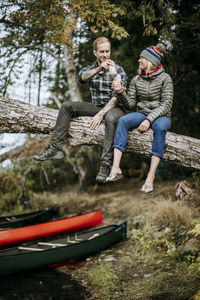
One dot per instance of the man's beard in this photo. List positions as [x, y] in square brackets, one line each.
[100, 60]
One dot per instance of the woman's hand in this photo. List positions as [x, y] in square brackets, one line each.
[144, 126]
[120, 89]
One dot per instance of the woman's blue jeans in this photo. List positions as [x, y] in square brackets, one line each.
[133, 120]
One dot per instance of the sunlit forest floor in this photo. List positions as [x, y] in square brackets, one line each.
[148, 265]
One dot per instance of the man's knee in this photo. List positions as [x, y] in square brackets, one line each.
[68, 107]
[64, 106]
[111, 119]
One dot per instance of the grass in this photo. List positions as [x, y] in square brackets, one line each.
[147, 266]
[173, 214]
[103, 280]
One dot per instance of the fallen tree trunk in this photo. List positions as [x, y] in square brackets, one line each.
[17, 116]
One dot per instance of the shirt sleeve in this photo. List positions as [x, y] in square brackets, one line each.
[128, 99]
[82, 71]
[123, 77]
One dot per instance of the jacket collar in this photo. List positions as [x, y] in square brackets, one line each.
[157, 71]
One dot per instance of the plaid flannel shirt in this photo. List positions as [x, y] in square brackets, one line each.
[100, 84]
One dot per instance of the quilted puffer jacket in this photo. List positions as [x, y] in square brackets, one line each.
[152, 95]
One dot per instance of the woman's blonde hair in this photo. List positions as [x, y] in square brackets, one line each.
[150, 68]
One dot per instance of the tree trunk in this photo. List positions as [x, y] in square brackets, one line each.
[17, 116]
[70, 68]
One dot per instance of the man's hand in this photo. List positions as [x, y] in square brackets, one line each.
[95, 122]
[105, 64]
[144, 126]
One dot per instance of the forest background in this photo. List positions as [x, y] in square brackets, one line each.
[57, 37]
[43, 45]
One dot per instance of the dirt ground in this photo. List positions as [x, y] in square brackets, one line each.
[148, 264]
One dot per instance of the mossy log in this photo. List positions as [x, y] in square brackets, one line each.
[19, 117]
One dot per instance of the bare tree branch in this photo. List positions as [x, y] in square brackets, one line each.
[181, 77]
[39, 47]
[11, 69]
[56, 100]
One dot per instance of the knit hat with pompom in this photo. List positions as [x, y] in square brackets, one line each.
[154, 54]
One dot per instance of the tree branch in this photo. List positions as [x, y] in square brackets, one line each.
[181, 77]
[39, 47]
[17, 116]
[11, 69]
[58, 103]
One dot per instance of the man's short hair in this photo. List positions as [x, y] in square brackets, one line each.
[100, 40]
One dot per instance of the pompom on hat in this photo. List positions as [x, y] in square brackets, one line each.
[154, 54]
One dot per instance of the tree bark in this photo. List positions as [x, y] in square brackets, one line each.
[70, 69]
[17, 116]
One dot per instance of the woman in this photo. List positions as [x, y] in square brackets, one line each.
[152, 93]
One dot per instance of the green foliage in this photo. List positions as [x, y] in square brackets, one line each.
[46, 20]
[34, 26]
[51, 175]
[18, 182]
[82, 158]
[101, 15]
[148, 242]
[46, 25]
[157, 17]
[12, 192]
[176, 24]
[196, 229]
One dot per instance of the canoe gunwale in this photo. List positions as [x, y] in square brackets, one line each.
[33, 232]
[116, 227]
[22, 219]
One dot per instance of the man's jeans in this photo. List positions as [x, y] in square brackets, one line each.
[71, 110]
[133, 120]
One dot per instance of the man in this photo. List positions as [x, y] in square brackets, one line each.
[104, 105]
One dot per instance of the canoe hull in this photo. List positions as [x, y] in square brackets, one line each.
[25, 261]
[30, 233]
[26, 219]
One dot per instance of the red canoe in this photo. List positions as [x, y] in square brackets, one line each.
[29, 233]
